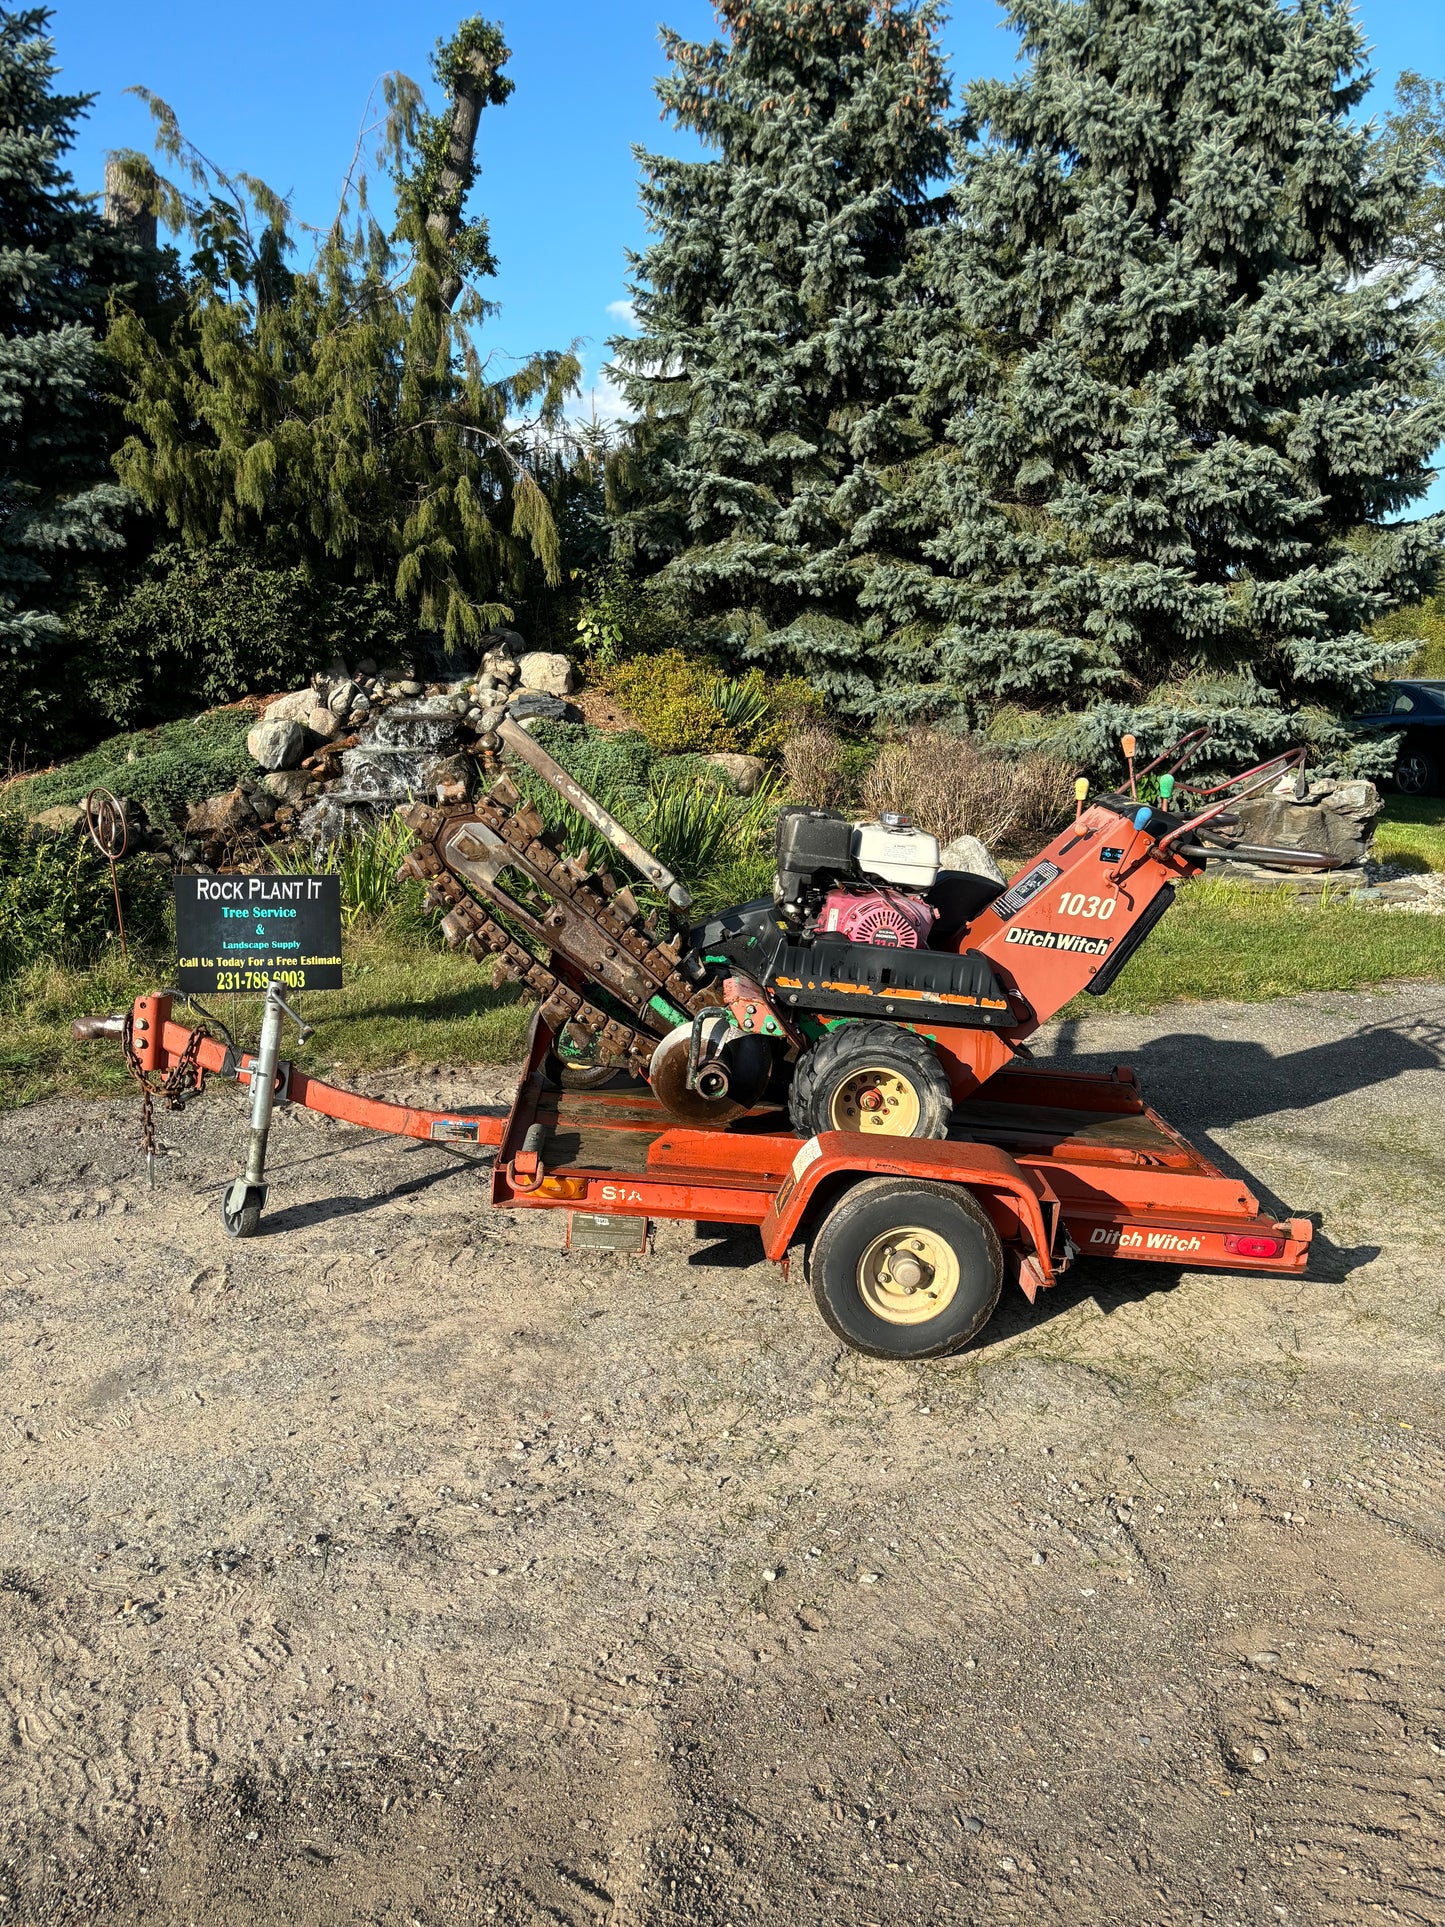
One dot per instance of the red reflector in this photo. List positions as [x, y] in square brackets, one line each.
[1253, 1247]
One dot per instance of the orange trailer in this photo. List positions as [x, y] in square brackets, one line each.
[906, 1242]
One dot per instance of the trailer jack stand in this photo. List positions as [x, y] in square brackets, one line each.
[243, 1202]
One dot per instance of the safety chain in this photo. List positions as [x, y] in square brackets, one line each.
[185, 1079]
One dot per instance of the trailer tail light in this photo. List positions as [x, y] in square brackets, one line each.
[1249, 1246]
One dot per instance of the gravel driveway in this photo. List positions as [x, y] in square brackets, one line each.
[397, 1567]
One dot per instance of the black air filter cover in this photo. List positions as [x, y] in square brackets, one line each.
[810, 841]
[913, 986]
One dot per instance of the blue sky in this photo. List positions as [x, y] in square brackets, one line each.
[279, 90]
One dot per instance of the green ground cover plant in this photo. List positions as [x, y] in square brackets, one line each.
[162, 769]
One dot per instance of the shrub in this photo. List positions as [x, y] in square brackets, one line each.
[193, 628]
[618, 617]
[1421, 623]
[162, 769]
[684, 703]
[954, 788]
[814, 767]
[56, 901]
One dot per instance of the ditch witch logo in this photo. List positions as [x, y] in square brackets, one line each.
[1059, 940]
[1133, 1239]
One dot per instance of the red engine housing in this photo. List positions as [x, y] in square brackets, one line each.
[889, 918]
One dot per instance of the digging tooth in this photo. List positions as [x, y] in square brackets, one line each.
[625, 904]
[559, 1007]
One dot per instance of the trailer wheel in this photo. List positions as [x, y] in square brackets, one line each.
[879, 1079]
[904, 1269]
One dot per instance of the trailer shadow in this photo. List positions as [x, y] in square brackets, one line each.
[1111, 1284]
[303, 1217]
[1202, 1083]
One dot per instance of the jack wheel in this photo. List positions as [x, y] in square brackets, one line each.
[243, 1223]
[877, 1079]
[906, 1270]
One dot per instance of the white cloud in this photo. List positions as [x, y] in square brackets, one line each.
[624, 312]
[600, 398]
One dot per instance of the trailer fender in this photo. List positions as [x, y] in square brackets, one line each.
[1023, 1210]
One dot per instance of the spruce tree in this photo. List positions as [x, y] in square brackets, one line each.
[1178, 413]
[767, 377]
[58, 499]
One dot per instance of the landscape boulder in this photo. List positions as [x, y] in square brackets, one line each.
[550, 674]
[219, 817]
[450, 779]
[277, 745]
[535, 705]
[59, 817]
[1335, 818]
[967, 853]
[294, 707]
[745, 773]
[323, 723]
[286, 785]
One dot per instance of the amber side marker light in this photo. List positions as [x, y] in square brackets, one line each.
[560, 1188]
[1251, 1247]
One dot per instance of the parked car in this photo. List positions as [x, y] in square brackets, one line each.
[1417, 709]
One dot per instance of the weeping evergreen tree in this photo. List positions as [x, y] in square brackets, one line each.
[58, 499]
[341, 418]
[1178, 410]
[767, 376]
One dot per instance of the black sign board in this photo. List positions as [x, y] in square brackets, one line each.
[241, 932]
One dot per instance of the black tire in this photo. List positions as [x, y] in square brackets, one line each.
[563, 1076]
[820, 1099]
[244, 1223]
[874, 1224]
[1417, 772]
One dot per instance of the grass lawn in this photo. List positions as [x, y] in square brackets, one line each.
[1411, 833]
[1227, 940]
[406, 1003]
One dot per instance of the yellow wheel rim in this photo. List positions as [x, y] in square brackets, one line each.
[876, 1100]
[908, 1276]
